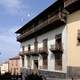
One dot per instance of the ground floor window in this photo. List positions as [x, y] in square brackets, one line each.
[22, 61]
[45, 62]
[29, 62]
[58, 61]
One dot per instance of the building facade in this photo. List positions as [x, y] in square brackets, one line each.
[51, 41]
[4, 68]
[14, 65]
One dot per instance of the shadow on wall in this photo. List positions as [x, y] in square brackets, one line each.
[74, 17]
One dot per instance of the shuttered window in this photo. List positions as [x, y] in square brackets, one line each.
[78, 38]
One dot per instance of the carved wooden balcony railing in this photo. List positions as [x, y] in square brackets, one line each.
[56, 49]
[25, 34]
[71, 5]
[68, 2]
[22, 53]
[43, 51]
[33, 52]
[58, 17]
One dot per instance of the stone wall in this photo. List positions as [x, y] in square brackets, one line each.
[73, 72]
[50, 74]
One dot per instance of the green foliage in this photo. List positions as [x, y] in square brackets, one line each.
[5, 76]
[8, 76]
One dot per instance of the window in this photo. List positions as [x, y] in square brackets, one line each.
[78, 38]
[11, 71]
[12, 63]
[58, 42]
[58, 54]
[29, 47]
[35, 64]
[58, 61]
[22, 61]
[35, 44]
[45, 62]
[29, 62]
[45, 44]
[16, 62]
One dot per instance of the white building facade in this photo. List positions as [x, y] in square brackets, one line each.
[50, 37]
[4, 68]
[49, 41]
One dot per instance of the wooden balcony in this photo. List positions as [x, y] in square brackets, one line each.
[68, 2]
[71, 5]
[33, 52]
[21, 54]
[56, 20]
[22, 36]
[24, 53]
[56, 49]
[43, 51]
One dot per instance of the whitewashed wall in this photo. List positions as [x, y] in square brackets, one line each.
[51, 40]
[4, 68]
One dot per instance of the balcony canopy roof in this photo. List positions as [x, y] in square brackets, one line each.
[53, 7]
[69, 5]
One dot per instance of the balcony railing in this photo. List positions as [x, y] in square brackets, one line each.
[56, 49]
[56, 17]
[25, 34]
[33, 52]
[43, 51]
[22, 53]
[68, 2]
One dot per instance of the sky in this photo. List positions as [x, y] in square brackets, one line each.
[13, 15]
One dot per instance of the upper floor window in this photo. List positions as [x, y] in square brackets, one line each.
[29, 47]
[35, 44]
[58, 56]
[45, 43]
[16, 62]
[58, 41]
[78, 38]
[58, 61]
[22, 61]
[45, 62]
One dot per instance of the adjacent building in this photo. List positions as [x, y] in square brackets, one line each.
[14, 65]
[50, 42]
[4, 67]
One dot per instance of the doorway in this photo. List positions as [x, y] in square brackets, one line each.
[36, 64]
